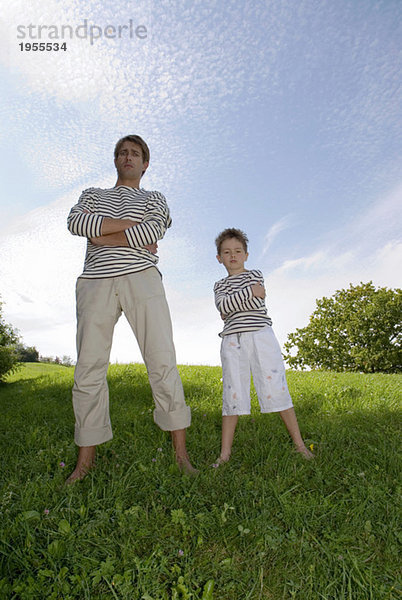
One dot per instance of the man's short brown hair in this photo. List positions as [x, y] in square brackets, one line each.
[136, 139]
[231, 232]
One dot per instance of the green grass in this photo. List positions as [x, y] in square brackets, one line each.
[269, 525]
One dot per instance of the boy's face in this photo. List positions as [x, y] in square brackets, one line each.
[233, 256]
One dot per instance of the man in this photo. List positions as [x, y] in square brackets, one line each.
[123, 225]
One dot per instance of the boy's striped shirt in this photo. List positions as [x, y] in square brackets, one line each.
[148, 208]
[241, 310]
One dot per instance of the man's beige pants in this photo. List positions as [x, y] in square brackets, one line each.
[100, 303]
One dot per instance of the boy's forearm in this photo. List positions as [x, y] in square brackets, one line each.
[229, 303]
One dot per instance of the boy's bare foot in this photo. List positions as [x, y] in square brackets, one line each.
[185, 466]
[305, 452]
[85, 462]
[220, 461]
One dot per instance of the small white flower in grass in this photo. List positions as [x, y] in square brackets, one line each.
[215, 466]
[181, 553]
[159, 449]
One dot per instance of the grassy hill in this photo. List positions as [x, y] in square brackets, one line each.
[269, 525]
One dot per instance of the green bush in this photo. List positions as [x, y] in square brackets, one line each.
[27, 353]
[8, 355]
[358, 329]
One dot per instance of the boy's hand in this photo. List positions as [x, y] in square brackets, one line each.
[258, 290]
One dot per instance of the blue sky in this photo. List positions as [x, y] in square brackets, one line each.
[278, 117]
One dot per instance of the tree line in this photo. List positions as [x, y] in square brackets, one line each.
[356, 329]
[13, 352]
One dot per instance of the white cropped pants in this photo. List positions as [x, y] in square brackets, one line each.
[257, 352]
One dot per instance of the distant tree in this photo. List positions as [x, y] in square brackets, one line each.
[8, 340]
[27, 353]
[357, 329]
[46, 359]
[67, 361]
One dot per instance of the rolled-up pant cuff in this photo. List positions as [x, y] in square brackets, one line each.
[92, 436]
[171, 421]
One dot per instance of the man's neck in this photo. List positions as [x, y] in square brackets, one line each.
[133, 183]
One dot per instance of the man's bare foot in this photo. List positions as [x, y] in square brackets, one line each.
[185, 466]
[182, 459]
[222, 460]
[305, 452]
[85, 462]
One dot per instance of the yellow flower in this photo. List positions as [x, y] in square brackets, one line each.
[311, 447]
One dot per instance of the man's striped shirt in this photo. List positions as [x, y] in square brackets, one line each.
[149, 209]
[241, 310]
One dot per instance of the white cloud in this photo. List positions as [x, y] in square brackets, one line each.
[273, 232]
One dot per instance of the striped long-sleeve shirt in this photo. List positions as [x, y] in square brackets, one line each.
[241, 311]
[149, 209]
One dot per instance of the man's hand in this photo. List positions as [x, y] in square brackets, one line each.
[258, 290]
[153, 248]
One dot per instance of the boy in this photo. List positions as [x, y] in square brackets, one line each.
[248, 342]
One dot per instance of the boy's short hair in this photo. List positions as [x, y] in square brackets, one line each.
[231, 232]
[136, 139]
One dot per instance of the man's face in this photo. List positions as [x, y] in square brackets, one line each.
[129, 162]
[233, 256]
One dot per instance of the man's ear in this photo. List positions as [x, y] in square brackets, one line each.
[146, 165]
[246, 257]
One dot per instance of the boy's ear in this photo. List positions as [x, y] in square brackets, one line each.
[219, 258]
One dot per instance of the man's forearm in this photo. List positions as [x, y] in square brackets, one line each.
[119, 239]
[111, 226]
[112, 239]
